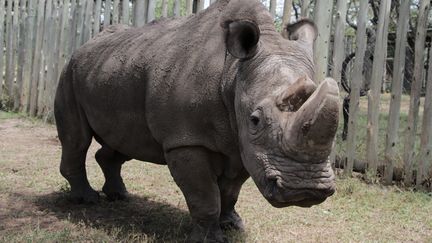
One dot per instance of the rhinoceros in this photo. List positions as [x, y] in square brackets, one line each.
[219, 97]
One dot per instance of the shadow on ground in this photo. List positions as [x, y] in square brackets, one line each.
[137, 215]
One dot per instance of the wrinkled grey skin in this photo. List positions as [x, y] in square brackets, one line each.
[218, 97]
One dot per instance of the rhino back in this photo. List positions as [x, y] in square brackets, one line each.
[156, 86]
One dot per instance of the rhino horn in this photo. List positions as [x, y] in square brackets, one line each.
[296, 95]
[316, 121]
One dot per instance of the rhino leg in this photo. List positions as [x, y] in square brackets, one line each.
[192, 171]
[229, 191]
[111, 162]
[75, 136]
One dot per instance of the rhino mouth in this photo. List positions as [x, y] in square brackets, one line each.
[288, 182]
[296, 197]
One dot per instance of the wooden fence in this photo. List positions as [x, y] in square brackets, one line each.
[37, 37]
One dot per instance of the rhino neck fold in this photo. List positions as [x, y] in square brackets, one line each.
[227, 90]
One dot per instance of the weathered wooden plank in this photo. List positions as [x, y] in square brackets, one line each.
[139, 13]
[72, 28]
[424, 158]
[9, 50]
[15, 42]
[396, 90]
[107, 13]
[88, 21]
[305, 8]
[125, 12]
[272, 8]
[81, 8]
[164, 10]
[115, 11]
[46, 47]
[96, 15]
[2, 34]
[323, 20]
[410, 133]
[339, 37]
[21, 55]
[189, 7]
[355, 86]
[53, 64]
[176, 8]
[200, 5]
[379, 62]
[64, 23]
[151, 10]
[30, 27]
[286, 16]
[37, 59]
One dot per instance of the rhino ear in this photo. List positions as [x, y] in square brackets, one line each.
[241, 38]
[304, 30]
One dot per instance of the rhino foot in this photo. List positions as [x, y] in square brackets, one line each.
[231, 221]
[88, 196]
[209, 235]
[115, 192]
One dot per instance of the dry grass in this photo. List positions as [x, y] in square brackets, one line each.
[34, 208]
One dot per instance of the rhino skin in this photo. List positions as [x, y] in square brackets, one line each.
[218, 96]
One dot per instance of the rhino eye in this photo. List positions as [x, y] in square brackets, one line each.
[255, 118]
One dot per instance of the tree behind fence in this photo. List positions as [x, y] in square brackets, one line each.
[37, 38]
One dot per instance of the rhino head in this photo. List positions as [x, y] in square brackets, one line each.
[286, 122]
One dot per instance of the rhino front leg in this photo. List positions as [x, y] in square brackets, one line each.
[230, 190]
[111, 162]
[191, 170]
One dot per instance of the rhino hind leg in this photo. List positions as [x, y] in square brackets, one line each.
[111, 162]
[75, 136]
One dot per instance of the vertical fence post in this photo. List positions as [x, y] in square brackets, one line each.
[411, 129]
[81, 8]
[36, 59]
[396, 90]
[200, 5]
[2, 34]
[9, 49]
[107, 13]
[165, 8]
[125, 12]
[323, 20]
[305, 8]
[88, 21]
[355, 87]
[339, 37]
[115, 12]
[286, 16]
[63, 33]
[15, 47]
[97, 14]
[189, 7]
[379, 65]
[139, 13]
[30, 26]
[177, 8]
[272, 9]
[46, 47]
[424, 158]
[21, 56]
[151, 10]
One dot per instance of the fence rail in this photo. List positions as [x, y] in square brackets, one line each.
[37, 38]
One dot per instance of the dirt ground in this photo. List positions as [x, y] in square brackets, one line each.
[34, 205]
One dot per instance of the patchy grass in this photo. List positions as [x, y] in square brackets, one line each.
[34, 207]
